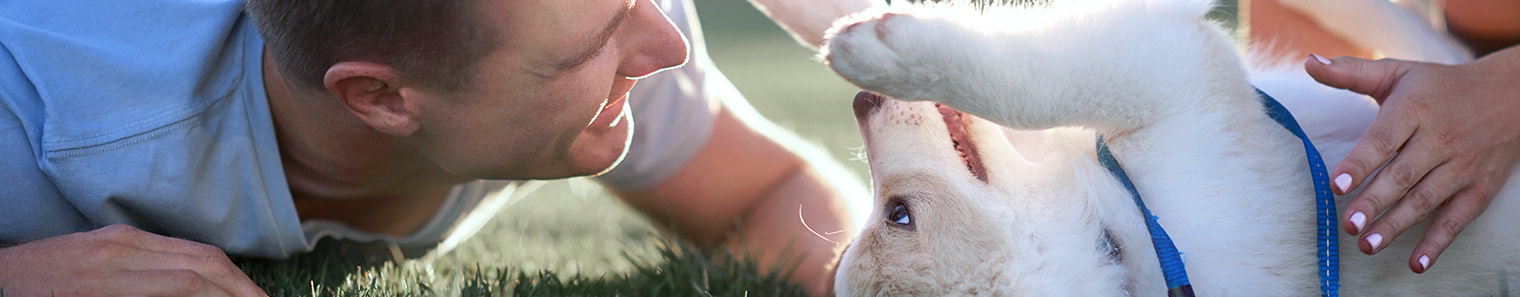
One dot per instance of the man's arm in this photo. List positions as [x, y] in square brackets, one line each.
[806, 20]
[751, 184]
[1486, 26]
[1292, 34]
[744, 189]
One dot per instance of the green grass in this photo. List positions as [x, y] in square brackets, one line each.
[678, 270]
[550, 244]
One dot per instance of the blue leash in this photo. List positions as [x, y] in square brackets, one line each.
[1171, 260]
[1327, 249]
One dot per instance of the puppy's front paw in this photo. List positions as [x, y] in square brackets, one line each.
[895, 54]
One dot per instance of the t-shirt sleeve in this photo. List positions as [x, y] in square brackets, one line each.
[145, 113]
[28, 193]
[673, 111]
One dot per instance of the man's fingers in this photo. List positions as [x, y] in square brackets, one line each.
[216, 269]
[1444, 227]
[153, 252]
[153, 242]
[1372, 78]
[1428, 193]
[163, 283]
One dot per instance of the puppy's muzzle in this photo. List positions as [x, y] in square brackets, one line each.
[866, 103]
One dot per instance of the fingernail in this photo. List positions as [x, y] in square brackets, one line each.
[1343, 182]
[1424, 262]
[1374, 240]
[1357, 219]
[1321, 60]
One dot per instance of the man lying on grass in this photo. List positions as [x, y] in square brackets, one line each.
[259, 130]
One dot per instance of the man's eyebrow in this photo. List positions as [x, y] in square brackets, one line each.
[589, 52]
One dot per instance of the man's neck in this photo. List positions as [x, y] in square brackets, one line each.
[329, 154]
[340, 169]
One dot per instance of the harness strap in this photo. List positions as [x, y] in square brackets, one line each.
[1171, 260]
[1327, 249]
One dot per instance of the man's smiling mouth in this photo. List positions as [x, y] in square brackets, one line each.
[610, 114]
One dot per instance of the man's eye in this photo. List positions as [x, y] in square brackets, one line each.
[900, 215]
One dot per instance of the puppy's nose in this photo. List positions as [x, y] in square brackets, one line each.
[865, 103]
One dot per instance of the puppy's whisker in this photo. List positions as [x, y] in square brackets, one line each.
[810, 228]
[858, 154]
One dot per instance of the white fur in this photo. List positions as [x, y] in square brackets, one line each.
[1175, 102]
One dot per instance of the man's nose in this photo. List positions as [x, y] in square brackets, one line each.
[658, 46]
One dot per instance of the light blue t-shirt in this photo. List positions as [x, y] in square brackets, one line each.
[152, 113]
[144, 112]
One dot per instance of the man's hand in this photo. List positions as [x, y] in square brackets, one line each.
[120, 260]
[1449, 137]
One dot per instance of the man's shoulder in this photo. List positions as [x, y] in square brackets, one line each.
[150, 113]
[99, 72]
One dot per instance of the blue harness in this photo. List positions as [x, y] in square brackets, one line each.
[1171, 260]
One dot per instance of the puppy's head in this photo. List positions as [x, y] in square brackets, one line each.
[959, 212]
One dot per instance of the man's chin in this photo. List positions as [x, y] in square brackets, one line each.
[572, 164]
[595, 152]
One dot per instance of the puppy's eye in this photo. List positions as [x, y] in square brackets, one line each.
[900, 215]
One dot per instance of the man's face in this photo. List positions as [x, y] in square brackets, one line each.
[551, 101]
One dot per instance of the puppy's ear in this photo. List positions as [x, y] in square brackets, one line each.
[372, 92]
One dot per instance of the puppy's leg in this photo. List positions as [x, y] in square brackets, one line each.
[1114, 66]
[1163, 84]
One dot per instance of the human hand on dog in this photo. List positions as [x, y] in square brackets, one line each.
[120, 261]
[1449, 137]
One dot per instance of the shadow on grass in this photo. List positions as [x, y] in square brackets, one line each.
[680, 270]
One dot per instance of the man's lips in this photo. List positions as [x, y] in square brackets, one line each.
[610, 113]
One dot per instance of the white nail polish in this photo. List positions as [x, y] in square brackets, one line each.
[1321, 60]
[1374, 240]
[1424, 262]
[1343, 182]
[1357, 219]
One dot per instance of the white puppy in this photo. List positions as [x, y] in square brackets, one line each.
[963, 208]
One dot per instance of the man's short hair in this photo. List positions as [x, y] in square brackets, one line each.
[434, 42]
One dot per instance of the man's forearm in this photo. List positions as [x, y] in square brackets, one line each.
[744, 188]
[781, 227]
[806, 216]
[807, 19]
[1485, 26]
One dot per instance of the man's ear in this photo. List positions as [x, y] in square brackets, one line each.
[372, 92]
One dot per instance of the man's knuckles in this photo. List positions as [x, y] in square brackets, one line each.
[119, 232]
[181, 281]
